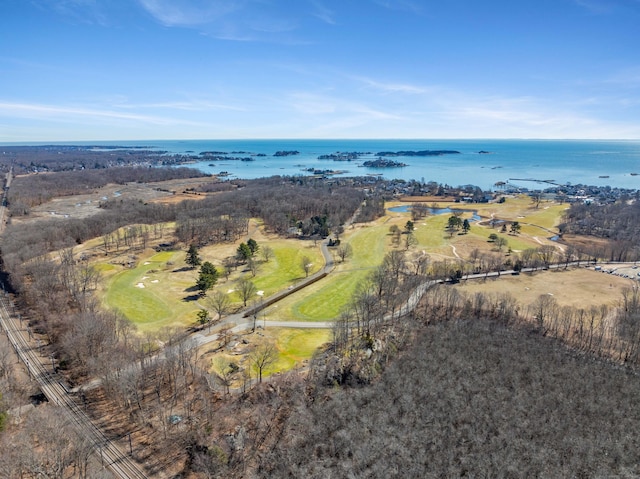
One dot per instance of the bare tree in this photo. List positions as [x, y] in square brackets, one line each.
[262, 357]
[246, 289]
[501, 242]
[220, 303]
[344, 251]
[546, 253]
[544, 307]
[410, 241]
[224, 372]
[267, 253]
[306, 265]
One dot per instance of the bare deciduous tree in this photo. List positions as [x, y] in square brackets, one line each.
[262, 357]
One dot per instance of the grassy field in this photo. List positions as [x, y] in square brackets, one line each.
[159, 291]
[325, 299]
[294, 346]
[151, 295]
[579, 288]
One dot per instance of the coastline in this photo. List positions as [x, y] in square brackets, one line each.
[590, 162]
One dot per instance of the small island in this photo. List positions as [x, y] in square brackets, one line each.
[342, 156]
[382, 163]
[286, 153]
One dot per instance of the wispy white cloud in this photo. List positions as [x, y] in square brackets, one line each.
[393, 87]
[323, 13]
[402, 5]
[80, 11]
[240, 20]
[173, 13]
[72, 113]
[190, 104]
[598, 7]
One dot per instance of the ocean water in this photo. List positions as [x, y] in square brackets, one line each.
[518, 162]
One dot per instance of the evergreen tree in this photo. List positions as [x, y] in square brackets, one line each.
[243, 253]
[193, 258]
[409, 227]
[208, 278]
[253, 246]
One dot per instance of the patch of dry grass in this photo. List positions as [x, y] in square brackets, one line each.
[579, 288]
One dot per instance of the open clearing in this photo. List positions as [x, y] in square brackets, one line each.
[579, 287]
[156, 290]
[82, 206]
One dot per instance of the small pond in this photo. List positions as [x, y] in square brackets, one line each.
[437, 211]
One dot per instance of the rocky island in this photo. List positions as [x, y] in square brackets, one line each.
[382, 163]
[342, 156]
[286, 153]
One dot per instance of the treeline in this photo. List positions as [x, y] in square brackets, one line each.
[23, 241]
[281, 202]
[31, 190]
[57, 158]
[618, 222]
[307, 205]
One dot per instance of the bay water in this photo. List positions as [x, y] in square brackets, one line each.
[481, 162]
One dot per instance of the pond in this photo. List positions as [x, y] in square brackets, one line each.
[437, 211]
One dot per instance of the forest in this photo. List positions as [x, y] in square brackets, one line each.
[618, 223]
[464, 385]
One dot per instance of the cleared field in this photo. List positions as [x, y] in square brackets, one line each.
[285, 268]
[580, 288]
[151, 295]
[159, 291]
[325, 299]
[294, 347]
[297, 345]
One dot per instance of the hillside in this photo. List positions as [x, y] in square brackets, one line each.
[471, 399]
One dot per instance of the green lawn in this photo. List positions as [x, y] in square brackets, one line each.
[150, 296]
[325, 299]
[296, 345]
[285, 268]
[159, 291]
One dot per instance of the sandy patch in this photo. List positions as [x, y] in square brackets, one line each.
[155, 281]
[140, 285]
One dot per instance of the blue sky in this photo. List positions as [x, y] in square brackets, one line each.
[208, 69]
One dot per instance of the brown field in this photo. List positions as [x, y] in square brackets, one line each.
[83, 206]
[580, 287]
